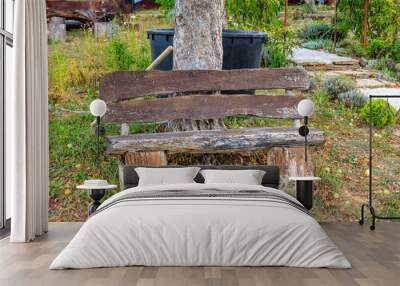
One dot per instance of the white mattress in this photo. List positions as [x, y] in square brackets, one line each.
[200, 232]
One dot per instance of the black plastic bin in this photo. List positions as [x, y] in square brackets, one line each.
[242, 49]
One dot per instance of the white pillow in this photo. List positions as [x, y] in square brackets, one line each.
[166, 176]
[247, 177]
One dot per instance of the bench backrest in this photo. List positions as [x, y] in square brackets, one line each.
[121, 90]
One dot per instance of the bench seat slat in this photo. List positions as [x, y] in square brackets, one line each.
[204, 107]
[212, 141]
[122, 85]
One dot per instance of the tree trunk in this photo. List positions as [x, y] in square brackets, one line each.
[198, 45]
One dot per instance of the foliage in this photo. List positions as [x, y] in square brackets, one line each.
[116, 54]
[253, 13]
[383, 18]
[279, 46]
[250, 13]
[318, 44]
[166, 5]
[315, 30]
[395, 51]
[352, 98]
[378, 47]
[309, 8]
[335, 85]
[383, 114]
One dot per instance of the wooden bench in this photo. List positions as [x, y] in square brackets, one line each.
[143, 96]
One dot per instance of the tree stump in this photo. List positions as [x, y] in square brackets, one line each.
[57, 29]
[103, 29]
[156, 158]
[291, 163]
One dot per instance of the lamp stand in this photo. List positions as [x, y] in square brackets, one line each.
[304, 131]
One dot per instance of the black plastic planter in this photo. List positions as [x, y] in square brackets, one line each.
[242, 49]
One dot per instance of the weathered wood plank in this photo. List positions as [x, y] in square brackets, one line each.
[157, 158]
[204, 107]
[212, 140]
[122, 85]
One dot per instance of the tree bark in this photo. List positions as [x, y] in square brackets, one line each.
[198, 45]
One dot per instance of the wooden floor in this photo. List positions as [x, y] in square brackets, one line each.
[375, 257]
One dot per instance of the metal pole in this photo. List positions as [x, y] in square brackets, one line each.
[305, 139]
[98, 140]
[370, 152]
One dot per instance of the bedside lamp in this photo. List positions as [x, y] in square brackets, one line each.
[306, 109]
[98, 108]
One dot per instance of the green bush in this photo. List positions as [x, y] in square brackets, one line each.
[275, 56]
[338, 84]
[395, 51]
[316, 30]
[377, 48]
[352, 98]
[166, 5]
[383, 114]
[318, 44]
[117, 55]
[253, 14]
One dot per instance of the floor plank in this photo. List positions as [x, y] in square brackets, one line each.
[375, 257]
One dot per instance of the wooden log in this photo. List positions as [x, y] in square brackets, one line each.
[85, 16]
[204, 107]
[291, 163]
[122, 85]
[156, 158]
[212, 141]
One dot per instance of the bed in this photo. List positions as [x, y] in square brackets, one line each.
[199, 224]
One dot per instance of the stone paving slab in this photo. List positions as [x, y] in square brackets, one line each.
[384, 91]
[307, 57]
[356, 74]
[374, 83]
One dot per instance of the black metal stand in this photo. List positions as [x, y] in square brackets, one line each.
[370, 203]
[96, 195]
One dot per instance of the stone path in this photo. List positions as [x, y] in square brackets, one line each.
[325, 65]
[320, 60]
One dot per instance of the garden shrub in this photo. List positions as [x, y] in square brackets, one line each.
[395, 51]
[316, 30]
[318, 44]
[338, 84]
[275, 56]
[352, 98]
[117, 55]
[166, 5]
[377, 48]
[383, 114]
[253, 13]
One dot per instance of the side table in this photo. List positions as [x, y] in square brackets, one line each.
[97, 190]
[304, 190]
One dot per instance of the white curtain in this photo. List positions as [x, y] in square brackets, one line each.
[27, 124]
